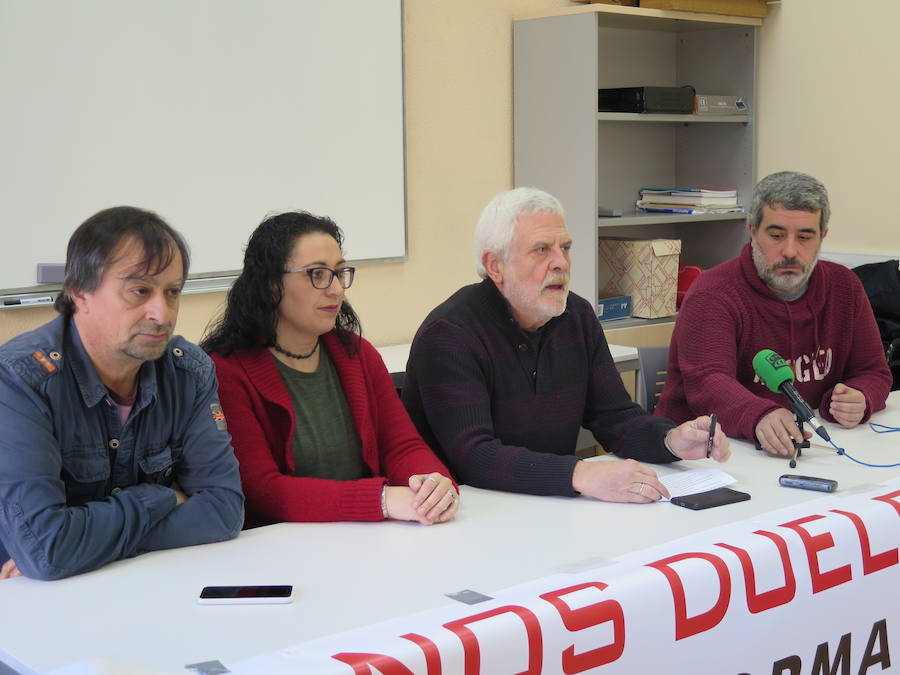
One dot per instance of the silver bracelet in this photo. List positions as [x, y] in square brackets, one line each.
[384, 511]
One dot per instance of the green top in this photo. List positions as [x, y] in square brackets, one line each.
[325, 443]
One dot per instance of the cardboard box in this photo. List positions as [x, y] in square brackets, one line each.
[645, 269]
[615, 307]
[754, 8]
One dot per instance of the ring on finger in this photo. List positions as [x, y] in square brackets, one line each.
[452, 496]
[432, 479]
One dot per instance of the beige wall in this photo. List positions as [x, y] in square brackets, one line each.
[829, 105]
[814, 55]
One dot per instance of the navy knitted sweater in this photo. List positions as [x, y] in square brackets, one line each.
[503, 407]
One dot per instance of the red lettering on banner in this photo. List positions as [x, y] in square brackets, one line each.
[585, 617]
[686, 626]
[889, 499]
[760, 602]
[470, 643]
[870, 563]
[362, 664]
[432, 655]
[821, 581]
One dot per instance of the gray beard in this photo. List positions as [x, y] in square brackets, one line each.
[780, 284]
[144, 352]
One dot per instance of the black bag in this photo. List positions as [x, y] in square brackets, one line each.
[882, 284]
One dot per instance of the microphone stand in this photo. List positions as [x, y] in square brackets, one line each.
[798, 445]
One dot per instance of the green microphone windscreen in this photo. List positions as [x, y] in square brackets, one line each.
[772, 369]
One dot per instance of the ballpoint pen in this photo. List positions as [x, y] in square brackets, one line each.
[712, 434]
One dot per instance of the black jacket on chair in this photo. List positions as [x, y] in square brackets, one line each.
[882, 283]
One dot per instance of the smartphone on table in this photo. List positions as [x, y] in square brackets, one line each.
[705, 500]
[245, 595]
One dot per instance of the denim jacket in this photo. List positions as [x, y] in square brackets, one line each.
[78, 489]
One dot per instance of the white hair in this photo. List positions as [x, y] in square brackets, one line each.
[497, 223]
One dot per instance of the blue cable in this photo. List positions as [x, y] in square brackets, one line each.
[882, 428]
[841, 451]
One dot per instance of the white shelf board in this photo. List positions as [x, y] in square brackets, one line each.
[664, 218]
[644, 18]
[657, 118]
[632, 321]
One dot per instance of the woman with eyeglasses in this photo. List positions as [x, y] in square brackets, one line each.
[315, 420]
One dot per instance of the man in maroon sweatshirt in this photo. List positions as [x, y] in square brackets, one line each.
[777, 295]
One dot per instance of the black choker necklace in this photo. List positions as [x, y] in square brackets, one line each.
[281, 350]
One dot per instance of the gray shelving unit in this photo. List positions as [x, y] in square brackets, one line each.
[590, 159]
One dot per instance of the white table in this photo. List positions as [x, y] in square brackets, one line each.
[396, 356]
[143, 611]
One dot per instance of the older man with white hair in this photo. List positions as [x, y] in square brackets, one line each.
[504, 373]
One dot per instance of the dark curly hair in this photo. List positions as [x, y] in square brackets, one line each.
[251, 310]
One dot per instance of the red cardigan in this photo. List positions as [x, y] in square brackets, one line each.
[260, 417]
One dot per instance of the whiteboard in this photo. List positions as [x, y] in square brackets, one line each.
[213, 113]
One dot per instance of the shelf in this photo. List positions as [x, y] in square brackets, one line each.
[658, 118]
[633, 321]
[589, 159]
[676, 21]
[664, 218]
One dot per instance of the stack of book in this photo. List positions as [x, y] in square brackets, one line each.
[688, 200]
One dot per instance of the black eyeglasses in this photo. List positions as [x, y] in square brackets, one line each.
[321, 277]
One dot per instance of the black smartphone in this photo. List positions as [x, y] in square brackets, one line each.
[808, 483]
[245, 595]
[710, 498]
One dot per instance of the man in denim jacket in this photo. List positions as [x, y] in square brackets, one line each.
[112, 440]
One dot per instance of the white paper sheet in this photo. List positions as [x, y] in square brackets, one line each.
[695, 480]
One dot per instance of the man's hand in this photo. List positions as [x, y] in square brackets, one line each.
[618, 481]
[848, 405]
[689, 440]
[9, 570]
[775, 432]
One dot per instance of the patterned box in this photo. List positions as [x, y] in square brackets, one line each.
[645, 269]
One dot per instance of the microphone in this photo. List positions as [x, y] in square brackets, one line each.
[777, 375]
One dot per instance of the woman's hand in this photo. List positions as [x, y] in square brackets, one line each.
[430, 498]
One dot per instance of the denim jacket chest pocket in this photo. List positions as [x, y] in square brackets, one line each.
[85, 472]
[157, 464]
